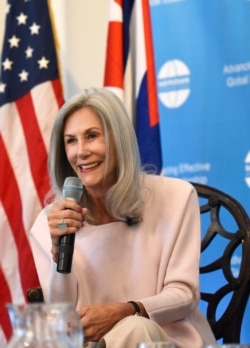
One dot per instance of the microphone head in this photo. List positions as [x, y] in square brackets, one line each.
[72, 188]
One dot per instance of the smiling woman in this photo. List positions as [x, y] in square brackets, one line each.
[93, 130]
[135, 267]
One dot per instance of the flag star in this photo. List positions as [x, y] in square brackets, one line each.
[2, 87]
[7, 9]
[34, 29]
[21, 19]
[43, 63]
[14, 41]
[29, 52]
[23, 76]
[7, 64]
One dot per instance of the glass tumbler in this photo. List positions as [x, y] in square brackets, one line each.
[45, 325]
[156, 345]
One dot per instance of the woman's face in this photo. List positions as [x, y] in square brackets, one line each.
[86, 150]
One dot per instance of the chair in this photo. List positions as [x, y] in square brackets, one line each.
[35, 295]
[215, 207]
[225, 223]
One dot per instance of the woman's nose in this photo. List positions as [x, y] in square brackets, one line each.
[82, 149]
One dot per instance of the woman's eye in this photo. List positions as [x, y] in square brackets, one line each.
[70, 140]
[91, 135]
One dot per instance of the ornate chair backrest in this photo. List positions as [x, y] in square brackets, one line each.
[225, 262]
[35, 295]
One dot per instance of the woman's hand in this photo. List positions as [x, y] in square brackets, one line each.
[98, 319]
[69, 212]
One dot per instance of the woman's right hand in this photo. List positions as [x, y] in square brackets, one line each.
[68, 212]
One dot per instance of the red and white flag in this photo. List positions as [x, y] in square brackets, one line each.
[30, 95]
[130, 73]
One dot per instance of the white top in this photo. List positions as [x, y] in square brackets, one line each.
[155, 262]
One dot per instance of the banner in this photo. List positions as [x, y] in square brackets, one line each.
[202, 56]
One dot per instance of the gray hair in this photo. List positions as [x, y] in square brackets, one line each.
[124, 198]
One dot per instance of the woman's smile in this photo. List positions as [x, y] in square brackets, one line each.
[86, 167]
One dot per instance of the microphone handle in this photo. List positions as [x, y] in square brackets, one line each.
[72, 189]
[66, 249]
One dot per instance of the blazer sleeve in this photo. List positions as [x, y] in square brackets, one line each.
[56, 286]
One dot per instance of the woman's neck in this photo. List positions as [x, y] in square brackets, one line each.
[95, 219]
[98, 213]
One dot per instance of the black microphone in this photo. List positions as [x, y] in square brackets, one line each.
[72, 189]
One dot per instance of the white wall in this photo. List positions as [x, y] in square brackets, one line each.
[82, 31]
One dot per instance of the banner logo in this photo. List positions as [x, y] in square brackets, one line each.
[173, 81]
[247, 169]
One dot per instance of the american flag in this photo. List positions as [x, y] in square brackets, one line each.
[30, 95]
[130, 72]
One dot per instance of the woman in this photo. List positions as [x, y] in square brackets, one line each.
[137, 235]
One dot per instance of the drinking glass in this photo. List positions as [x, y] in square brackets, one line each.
[45, 325]
[156, 345]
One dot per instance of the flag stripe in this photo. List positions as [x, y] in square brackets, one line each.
[7, 193]
[127, 9]
[51, 91]
[114, 56]
[151, 78]
[58, 92]
[15, 146]
[5, 298]
[36, 150]
[9, 256]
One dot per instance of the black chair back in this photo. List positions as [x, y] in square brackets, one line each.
[226, 249]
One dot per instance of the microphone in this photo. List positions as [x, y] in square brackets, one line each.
[72, 189]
